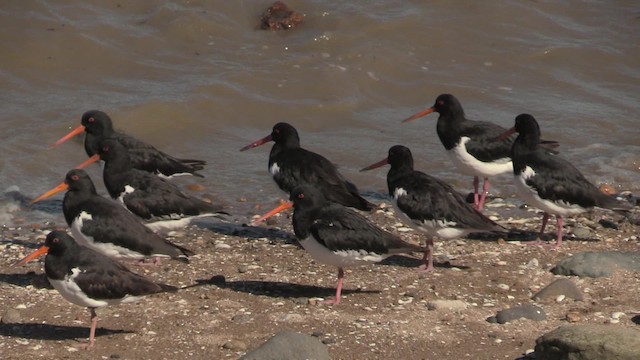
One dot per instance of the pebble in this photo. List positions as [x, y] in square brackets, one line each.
[617, 315]
[573, 317]
[560, 298]
[533, 263]
[11, 316]
[235, 345]
[581, 232]
[243, 268]
[291, 318]
[504, 287]
[456, 305]
[222, 246]
[531, 312]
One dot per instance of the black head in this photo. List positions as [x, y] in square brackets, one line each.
[96, 122]
[78, 179]
[58, 242]
[526, 124]
[306, 196]
[447, 104]
[400, 156]
[284, 133]
[110, 149]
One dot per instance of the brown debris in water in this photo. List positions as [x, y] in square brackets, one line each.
[279, 17]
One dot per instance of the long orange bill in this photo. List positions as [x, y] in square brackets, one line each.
[506, 134]
[89, 161]
[420, 114]
[55, 190]
[73, 133]
[285, 205]
[376, 165]
[41, 251]
[256, 143]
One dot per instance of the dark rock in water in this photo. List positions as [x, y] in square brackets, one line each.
[597, 264]
[589, 342]
[530, 312]
[564, 287]
[279, 17]
[289, 345]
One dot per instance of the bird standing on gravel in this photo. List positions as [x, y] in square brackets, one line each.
[336, 235]
[87, 278]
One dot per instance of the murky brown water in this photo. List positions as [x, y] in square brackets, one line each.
[197, 79]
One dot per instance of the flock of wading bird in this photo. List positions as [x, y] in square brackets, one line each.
[145, 203]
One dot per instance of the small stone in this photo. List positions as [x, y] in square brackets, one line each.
[533, 264]
[503, 287]
[530, 312]
[573, 317]
[608, 224]
[456, 305]
[222, 246]
[241, 318]
[295, 318]
[235, 345]
[560, 287]
[11, 316]
[617, 315]
[243, 268]
[560, 298]
[280, 17]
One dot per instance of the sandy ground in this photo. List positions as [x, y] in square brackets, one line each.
[271, 285]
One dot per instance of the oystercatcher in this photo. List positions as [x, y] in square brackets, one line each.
[428, 204]
[87, 278]
[550, 183]
[107, 227]
[97, 125]
[290, 165]
[336, 235]
[470, 144]
[149, 196]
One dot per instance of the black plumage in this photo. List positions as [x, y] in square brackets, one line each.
[291, 166]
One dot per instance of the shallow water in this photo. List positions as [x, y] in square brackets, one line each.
[198, 80]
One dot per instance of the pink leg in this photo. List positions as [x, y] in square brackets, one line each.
[427, 259]
[92, 332]
[538, 241]
[485, 191]
[338, 289]
[559, 224]
[476, 183]
[149, 262]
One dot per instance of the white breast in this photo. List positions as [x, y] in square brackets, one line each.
[274, 169]
[108, 249]
[469, 165]
[69, 290]
[531, 197]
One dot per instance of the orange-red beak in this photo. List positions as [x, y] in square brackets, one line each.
[55, 190]
[376, 165]
[73, 133]
[420, 114]
[41, 251]
[256, 143]
[89, 161]
[285, 205]
[506, 134]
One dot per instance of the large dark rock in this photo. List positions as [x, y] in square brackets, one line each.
[589, 342]
[597, 264]
[290, 345]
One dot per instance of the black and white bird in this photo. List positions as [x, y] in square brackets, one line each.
[428, 204]
[471, 145]
[87, 278]
[107, 227]
[336, 235]
[150, 197]
[291, 166]
[550, 183]
[98, 126]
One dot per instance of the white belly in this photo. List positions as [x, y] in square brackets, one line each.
[339, 258]
[469, 165]
[72, 293]
[530, 196]
[108, 249]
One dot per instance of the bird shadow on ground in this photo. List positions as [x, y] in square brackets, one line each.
[410, 262]
[243, 230]
[26, 244]
[523, 236]
[636, 319]
[52, 332]
[277, 289]
[38, 281]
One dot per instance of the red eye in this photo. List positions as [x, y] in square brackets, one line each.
[105, 148]
[277, 131]
[91, 119]
[56, 240]
[75, 177]
[301, 196]
[440, 102]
